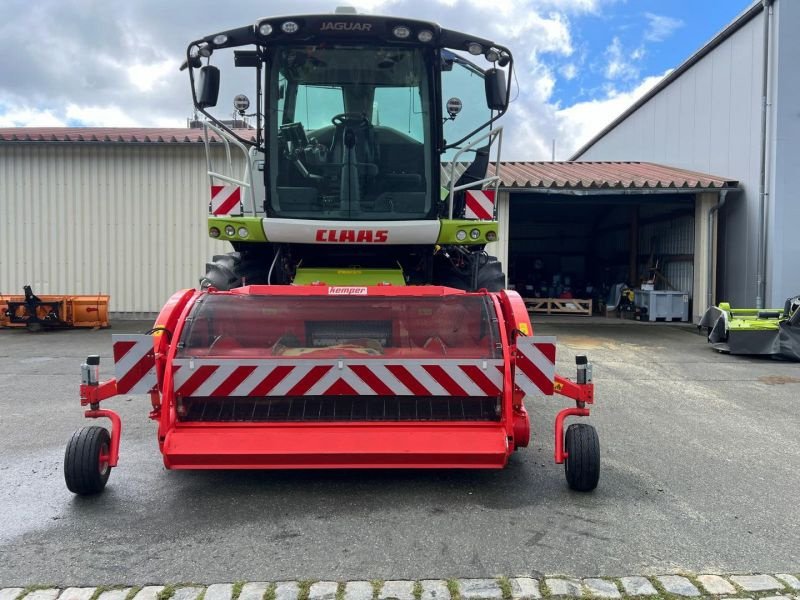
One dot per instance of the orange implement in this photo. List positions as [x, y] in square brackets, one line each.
[39, 312]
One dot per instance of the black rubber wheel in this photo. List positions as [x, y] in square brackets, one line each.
[86, 467]
[582, 466]
[234, 269]
[490, 276]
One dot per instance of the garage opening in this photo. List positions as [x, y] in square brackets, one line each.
[603, 253]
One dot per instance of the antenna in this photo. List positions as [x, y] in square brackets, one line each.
[553, 159]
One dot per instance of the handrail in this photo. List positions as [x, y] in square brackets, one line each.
[247, 177]
[497, 134]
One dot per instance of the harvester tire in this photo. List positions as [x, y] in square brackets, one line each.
[232, 270]
[582, 465]
[86, 470]
[490, 277]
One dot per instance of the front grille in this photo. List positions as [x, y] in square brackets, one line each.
[338, 408]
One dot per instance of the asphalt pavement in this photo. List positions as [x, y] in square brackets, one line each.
[700, 451]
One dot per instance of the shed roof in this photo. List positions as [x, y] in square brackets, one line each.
[544, 177]
[607, 176]
[118, 135]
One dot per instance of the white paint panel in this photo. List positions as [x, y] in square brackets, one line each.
[307, 231]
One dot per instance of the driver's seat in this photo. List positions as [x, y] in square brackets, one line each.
[364, 144]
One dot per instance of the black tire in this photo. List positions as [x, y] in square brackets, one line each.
[490, 276]
[582, 466]
[232, 270]
[84, 472]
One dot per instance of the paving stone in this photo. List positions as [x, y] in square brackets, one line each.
[323, 590]
[480, 589]
[286, 590]
[756, 583]
[186, 593]
[680, 586]
[396, 590]
[638, 586]
[47, 594]
[254, 590]
[774, 598]
[10, 593]
[358, 590]
[564, 587]
[148, 592]
[115, 594]
[434, 589]
[790, 580]
[524, 588]
[602, 588]
[77, 593]
[714, 584]
[217, 591]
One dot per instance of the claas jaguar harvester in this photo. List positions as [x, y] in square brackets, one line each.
[358, 321]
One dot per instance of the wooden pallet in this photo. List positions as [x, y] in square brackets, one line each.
[559, 306]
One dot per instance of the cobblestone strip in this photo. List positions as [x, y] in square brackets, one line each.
[780, 586]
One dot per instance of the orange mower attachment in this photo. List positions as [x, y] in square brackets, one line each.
[318, 377]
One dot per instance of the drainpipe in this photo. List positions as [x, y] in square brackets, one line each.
[761, 266]
[723, 195]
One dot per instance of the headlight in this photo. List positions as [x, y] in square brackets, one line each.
[230, 230]
[401, 32]
[475, 48]
[220, 39]
[491, 236]
[290, 27]
[243, 233]
[461, 235]
[425, 36]
[475, 234]
[214, 232]
[493, 55]
[265, 29]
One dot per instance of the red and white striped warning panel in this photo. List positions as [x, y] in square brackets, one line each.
[226, 201]
[134, 363]
[480, 205]
[536, 364]
[351, 377]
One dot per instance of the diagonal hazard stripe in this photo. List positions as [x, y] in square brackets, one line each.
[408, 380]
[196, 379]
[340, 388]
[372, 380]
[266, 385]
[302, 386]
[536, 376]
[233, 381]
[229, 203]
[480, 378]
[138, 373]
[443, 379]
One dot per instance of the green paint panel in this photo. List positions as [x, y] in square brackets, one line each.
[349, 276]
[255, 231]
[450, 228]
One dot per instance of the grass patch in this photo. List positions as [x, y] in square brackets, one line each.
[505, 587]
[340, 591]
[167, 593]
[237, 589]
[417, 591]
[108, 588]
[135, 590]
[269, 593]
[543, 589]
[455, 591]
[377, 585]
[33, 588]
[303, 587]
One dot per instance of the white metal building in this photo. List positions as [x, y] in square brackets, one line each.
[707, 116]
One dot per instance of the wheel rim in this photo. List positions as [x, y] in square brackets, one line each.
[102, 462]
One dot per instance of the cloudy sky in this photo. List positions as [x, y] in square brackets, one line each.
[114, 63]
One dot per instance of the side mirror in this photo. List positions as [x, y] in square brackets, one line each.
[207, 86]
[496, 97]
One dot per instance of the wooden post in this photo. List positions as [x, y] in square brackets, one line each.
[633, 262]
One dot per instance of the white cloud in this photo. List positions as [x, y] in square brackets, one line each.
[619, 66]
[144, 77]
[583, 120]
[101, 116]
[20, 116]
[660, 27]
[568, 71]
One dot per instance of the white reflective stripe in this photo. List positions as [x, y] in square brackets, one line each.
[389, 380]
[526, 346]
[428, 382]
[143, 345]
[252, 380]
[482, 199]
[291, 380]
[495, 375]
[525, 384]
[355, 382]
[464, 380]
[214, 380]
[222, 196]
[324, 382]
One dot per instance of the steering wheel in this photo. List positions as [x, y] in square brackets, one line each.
[358, 119]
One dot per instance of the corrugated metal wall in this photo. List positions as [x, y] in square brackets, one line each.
[119, 219]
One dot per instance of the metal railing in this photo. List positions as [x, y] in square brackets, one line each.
[492, 136]
[246, 178]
